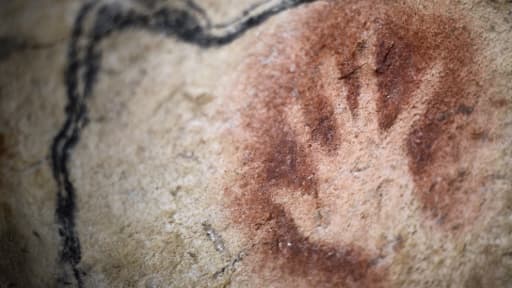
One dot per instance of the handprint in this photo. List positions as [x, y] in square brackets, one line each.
[357, 163]
[356, 114]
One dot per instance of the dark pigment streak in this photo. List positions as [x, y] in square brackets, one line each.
[190, 25]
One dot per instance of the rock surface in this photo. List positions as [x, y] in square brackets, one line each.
[203, 162]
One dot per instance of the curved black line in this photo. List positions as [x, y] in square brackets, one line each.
[83, 65]
[64, 141]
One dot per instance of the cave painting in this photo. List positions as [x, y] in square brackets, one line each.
[355, 112]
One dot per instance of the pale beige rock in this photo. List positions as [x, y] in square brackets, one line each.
[152, 165]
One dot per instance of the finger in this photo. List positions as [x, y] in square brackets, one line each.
[340, 87]
[417, 105]
[367, 122]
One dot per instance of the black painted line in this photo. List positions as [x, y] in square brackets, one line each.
[190, 25]
[64, 141]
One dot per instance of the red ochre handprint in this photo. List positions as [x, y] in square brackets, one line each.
[361, 170]
[358, 113]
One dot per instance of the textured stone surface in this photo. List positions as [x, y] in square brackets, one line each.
[172, 128]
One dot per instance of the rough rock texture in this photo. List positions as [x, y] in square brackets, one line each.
[335, 144]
